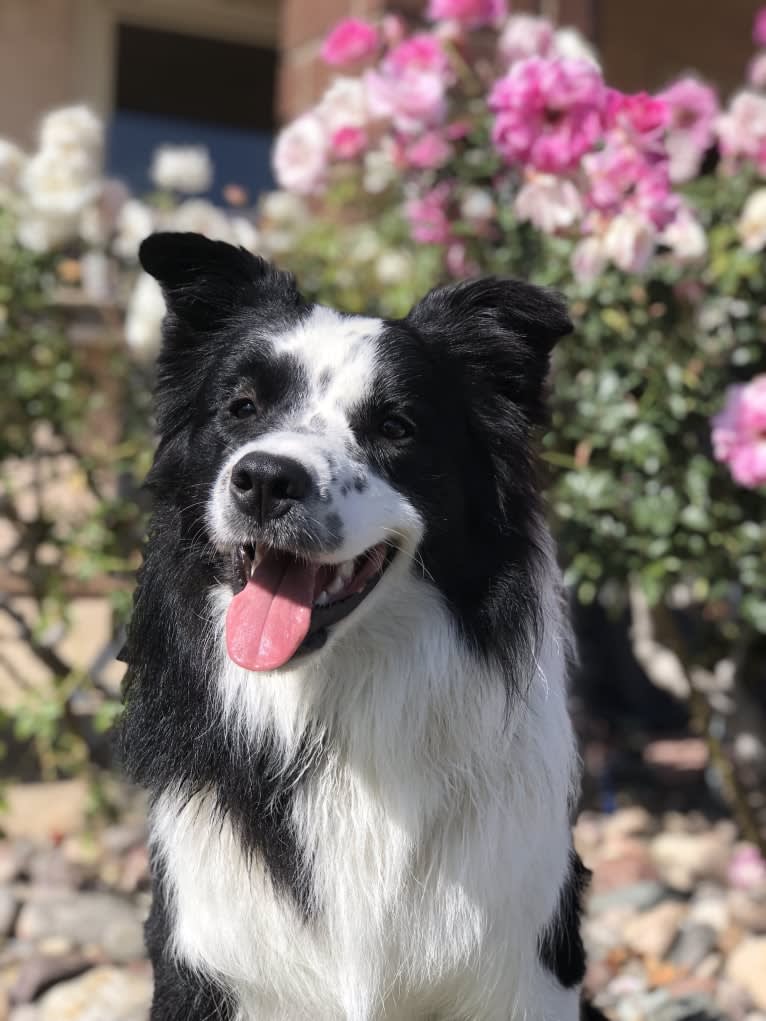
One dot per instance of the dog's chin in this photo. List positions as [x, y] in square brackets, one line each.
[340, 589]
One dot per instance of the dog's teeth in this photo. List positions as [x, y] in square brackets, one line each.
[346, 570]
[323, 599]
[336, 584]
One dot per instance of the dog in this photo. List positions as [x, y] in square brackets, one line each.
[346, 690]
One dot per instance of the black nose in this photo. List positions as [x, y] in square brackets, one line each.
[266, 486]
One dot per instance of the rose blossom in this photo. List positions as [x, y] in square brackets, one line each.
[756, 71]
[470, 13]
[184, 168]
[72, 128]
[549, 113]
[551, 203]
[427, 215]
[685, 236]
[346, 143]
[759, 27]
[143, 318]
[344, 105]
[300, 155]
[12, 161]
[629, 242]
[747, 868]
[641, 118]
[742, 129]
[525, 36]
[751, 226]
[739, 432]
[477, 207]
[135, 221]
[428, 152]
[573, 45]
[693, 108]
[458, 263]
[352, 39]
[589, 259]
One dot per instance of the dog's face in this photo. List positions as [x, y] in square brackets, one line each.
[322, 454]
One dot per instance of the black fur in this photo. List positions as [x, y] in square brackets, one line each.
[561, 948]
[468, 367]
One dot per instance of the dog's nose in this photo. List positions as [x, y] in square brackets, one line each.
[266, 486]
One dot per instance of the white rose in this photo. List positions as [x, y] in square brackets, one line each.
[752, 223]
[393, 267]
[72, 128]
[244, 233]
[134, 223]
[629, 242]
[524, 36]
[283, 207]
[379, 170]
[344, 105]
[12, 162]
[570, 43]
[551, 203]
[685, 236]
[143, 320]
[300, 155]
[41, 233]
[477, 206]
[60, 183]
[184, 168]
[96, 277]
[589, 260]
[201, 217]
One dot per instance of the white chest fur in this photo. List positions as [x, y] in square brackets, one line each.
[437, 832]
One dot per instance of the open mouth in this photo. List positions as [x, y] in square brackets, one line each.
[284, 605]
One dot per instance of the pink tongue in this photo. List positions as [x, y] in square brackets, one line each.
[270, 617]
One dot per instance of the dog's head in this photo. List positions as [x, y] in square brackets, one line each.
[320, 455]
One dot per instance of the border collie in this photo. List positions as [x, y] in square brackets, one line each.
[347, 659]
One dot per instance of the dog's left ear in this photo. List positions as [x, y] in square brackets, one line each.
[501, 331]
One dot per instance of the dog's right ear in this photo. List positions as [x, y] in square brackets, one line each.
[205, 281]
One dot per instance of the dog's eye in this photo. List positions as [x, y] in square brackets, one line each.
[394, 427]
[243, 407]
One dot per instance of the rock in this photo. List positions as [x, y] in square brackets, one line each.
[122, 838]
[748, 909]
[683, 859]
[41, 811]
[9, 908]
[628, 822]
[628, 863]
[652, 933]
[49, 867]
[102, 994]
[747, 968]
[14, 855]
[693, 944]
[25, 1013]
[687, 1008]
[39, 973]
[710, 907]
[637, 896]
[84, 918]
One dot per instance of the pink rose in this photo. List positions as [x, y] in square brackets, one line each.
[525, 36]
[756, 71]
[428, 152]
[641, 118]
[742, 129]
[470, 13]
[548, 113]
[421, 52]
[300, 155]
[551, 203]
[759, 27]
[459, 265]
[347, 143]
[350, 40]
[427, 215]
[739, 433]
[693, 108]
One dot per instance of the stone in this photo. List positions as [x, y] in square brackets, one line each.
[629, 862]
[748, 909]
[652, 933]
[687, 1008]
[637, 896]
[9, 908]
[694, 942]
[710, 908]
[39, 973]
[45, 811]
[84, 917]
[684, 859]
[14, 855]
[102, 994]
[747, 968]
[634, 821]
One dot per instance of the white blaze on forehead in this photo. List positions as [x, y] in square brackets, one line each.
[338, 352]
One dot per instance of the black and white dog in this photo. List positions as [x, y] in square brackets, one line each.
[348, 658]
